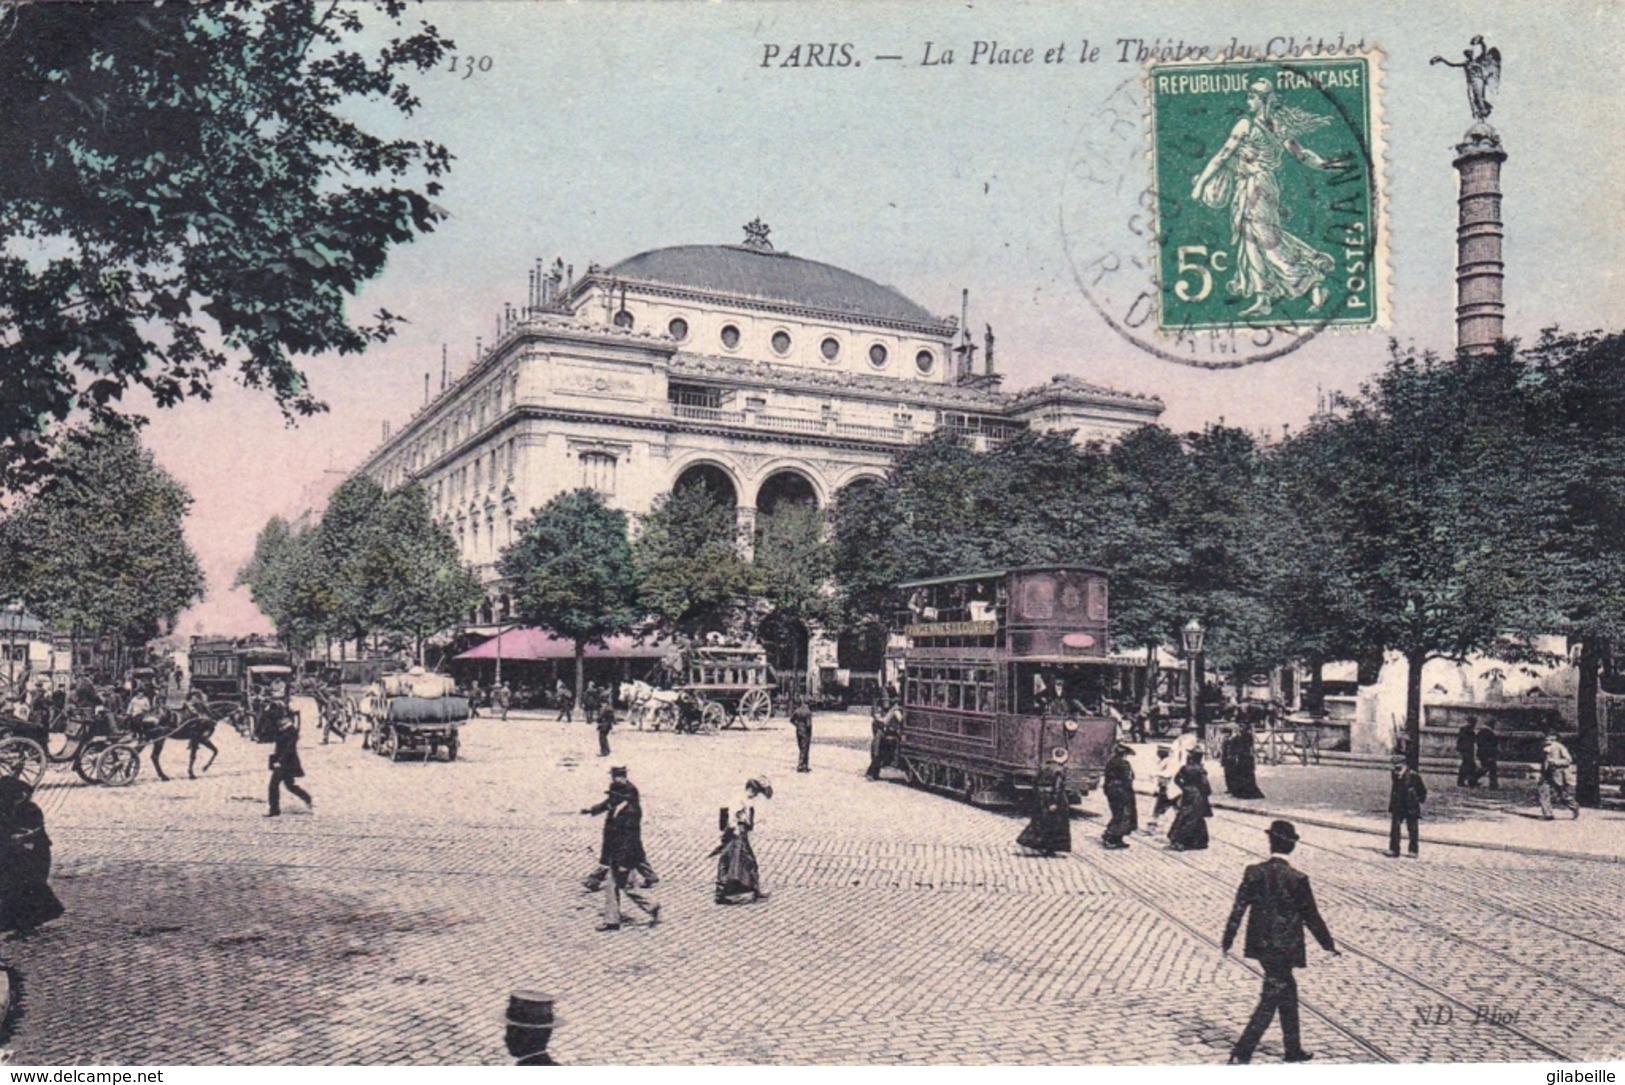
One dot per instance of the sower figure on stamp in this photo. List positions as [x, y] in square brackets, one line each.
[1271, 264]
[1119, 787]
[622, 852]
[1281, 905]
[1406, 794]
[801, 720]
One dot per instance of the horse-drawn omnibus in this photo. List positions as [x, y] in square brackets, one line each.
[1003, 670]
[224, 668]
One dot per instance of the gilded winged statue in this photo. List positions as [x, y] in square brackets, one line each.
[1483, 73]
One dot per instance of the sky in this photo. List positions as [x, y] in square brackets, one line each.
[599, 131]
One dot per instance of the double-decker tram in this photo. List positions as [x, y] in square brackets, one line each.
[1003, 670]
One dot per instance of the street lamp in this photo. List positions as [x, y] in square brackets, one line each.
[1192, 636]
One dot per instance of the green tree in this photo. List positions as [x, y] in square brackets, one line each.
[285, 581]
[572, 572]
[349, 555]
[186, 188]
[424, 586]
[100, 548]
[1424, 467]
[1572, 526]
[795, 563]
[691, 577]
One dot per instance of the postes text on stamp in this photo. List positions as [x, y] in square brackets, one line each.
[1267, 195]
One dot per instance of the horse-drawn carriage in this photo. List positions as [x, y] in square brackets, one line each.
[415, 712]
[103, 742]
[718, 688]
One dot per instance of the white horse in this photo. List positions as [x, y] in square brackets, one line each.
[646, 704]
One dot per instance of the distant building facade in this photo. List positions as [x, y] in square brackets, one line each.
[765, 376]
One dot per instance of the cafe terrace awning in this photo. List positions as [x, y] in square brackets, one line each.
[519, 645]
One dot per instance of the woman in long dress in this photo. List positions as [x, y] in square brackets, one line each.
[1242, 778]
[737, 872]
[26, 899]
[1189, 830]
[1050, 829]
[1270, 264]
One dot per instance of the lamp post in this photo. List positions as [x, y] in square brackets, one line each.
[1192, 636]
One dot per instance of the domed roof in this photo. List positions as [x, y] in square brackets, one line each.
[755, 270]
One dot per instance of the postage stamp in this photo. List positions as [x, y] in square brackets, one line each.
[1268, 201]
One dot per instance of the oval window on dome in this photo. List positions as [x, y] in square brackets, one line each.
[877, 355]
[623, 319]
[781, 342]
[730, 337]
[830, 348]
[925, 360]
[677, 329]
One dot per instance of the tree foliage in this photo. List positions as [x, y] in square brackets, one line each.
[691, 577]
[186, 189]
[100, 548]
[571, 571]
[376, 564]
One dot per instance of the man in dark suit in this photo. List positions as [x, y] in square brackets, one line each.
[1281, 904]
[1406, 794]
[801, 720]
[1489, 755]
[1467, 749]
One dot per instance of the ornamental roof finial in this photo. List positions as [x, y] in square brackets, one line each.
[756, 232]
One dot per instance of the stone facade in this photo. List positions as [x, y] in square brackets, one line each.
[762, 372]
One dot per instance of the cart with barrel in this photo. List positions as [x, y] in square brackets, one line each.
[414, 713]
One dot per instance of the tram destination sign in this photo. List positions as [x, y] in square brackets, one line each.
[952, 629]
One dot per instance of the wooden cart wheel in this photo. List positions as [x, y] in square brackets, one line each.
[392, 743]
[755, 706]
[23, 758]
[84, 763]
[118, 766]
[714, 716]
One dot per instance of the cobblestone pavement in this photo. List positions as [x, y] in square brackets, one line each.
[903, 927]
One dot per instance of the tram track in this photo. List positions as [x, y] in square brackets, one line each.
[1378, 904]
[1381, 962]
[1304, 1004]
[1482, 901]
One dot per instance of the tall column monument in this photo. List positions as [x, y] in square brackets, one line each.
[1480, 312]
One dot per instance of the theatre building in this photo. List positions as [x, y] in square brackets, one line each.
[765, 376]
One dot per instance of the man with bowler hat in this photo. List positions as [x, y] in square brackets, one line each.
[801, 720]
[623, 849]
[531, 1021]
[1406, 794]
[1281, 905]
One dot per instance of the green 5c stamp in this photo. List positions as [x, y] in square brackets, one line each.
[1268, 200]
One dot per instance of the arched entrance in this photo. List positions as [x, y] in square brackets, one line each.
[713, 478]
[785, 487]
